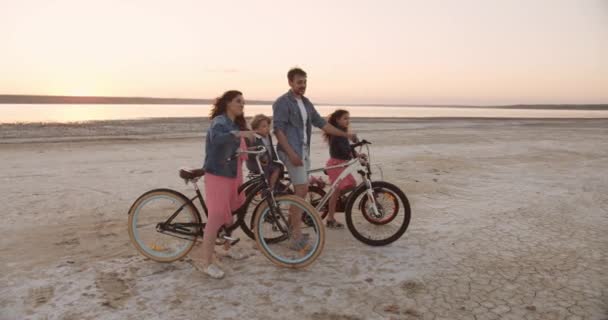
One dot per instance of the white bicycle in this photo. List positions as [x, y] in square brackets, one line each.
[377, 213]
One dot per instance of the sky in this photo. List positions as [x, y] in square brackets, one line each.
[384, 51]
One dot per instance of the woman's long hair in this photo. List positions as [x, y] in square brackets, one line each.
[333, 120]
[221, 103]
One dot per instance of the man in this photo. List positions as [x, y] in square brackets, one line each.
[293, 117]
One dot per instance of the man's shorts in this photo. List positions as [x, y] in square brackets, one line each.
[298, 175]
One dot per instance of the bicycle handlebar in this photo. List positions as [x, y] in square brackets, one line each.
[359, 144]
[257, 150]
[253, 150]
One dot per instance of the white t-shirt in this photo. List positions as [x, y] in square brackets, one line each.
[304, 119]
[269, 151]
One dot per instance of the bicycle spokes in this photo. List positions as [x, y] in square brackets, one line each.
[153, 234]
[277, 235]
[378, 215]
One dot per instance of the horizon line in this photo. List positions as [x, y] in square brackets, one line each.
[77, 99]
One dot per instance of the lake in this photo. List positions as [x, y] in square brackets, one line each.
[11, 113]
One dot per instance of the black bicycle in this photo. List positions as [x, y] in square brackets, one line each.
[164, 224]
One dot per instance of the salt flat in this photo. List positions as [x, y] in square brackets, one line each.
[509, 221]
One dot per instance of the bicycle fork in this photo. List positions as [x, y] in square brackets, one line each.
[370, 196]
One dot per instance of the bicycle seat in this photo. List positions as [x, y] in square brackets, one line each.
[191, 173]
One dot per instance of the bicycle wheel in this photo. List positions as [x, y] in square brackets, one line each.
[272, 223]
[252, 202]
[364, 205]
[155, 207]
[250, 185]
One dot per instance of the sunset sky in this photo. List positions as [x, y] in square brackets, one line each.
[409, 52]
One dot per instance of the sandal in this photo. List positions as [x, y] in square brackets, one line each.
[333, 224]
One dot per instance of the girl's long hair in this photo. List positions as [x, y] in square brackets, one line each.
[333, 120]
[221, 103]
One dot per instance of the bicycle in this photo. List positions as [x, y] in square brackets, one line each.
[164, 224]
[376, 205]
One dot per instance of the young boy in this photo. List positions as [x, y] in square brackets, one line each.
[272, 169]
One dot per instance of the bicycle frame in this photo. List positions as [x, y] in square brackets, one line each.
[352, 166]
[267, 193]
[175, 227]
[358, 165]
[355, 165]
[182, 228]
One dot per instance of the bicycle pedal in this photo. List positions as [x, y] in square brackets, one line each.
[228, 237]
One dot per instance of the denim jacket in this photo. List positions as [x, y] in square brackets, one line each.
[287, 118]
[221, 143]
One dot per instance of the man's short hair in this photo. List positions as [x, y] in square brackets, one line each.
[295, 72]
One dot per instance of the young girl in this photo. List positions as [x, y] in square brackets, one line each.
[261, 126]
[339, 152]
[223, 175]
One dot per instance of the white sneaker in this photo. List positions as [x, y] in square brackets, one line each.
[211, 270]
[233, 253]
[214, 271]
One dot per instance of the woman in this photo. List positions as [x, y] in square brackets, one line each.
[223, 175]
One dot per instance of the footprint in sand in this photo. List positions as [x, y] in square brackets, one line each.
[68, 242]
[333, 316]
[115, 290]
[354, 271]
[39, 296]
[265, 283]
[140, 171]
[397, 310]
[106, 235]
[412, 286]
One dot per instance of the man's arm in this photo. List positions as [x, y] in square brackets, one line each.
[320, 123]
[331, 130]
[293, 156]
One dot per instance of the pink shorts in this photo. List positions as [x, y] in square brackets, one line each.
[348, 182]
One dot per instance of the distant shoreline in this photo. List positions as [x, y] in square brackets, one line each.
[46, 99]
[180, 129]
[356, 119]
[36, 99]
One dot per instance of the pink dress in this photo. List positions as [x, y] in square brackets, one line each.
[222, 196]
[347, 182]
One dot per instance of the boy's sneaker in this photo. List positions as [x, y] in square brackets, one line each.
[299, 244]
[333, 224]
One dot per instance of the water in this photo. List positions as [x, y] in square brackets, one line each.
[11, 113]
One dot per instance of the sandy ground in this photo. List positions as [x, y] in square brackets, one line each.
[509, 221]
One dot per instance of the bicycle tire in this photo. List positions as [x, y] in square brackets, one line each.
[135, 210]
[382, 241]
[260, 215]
